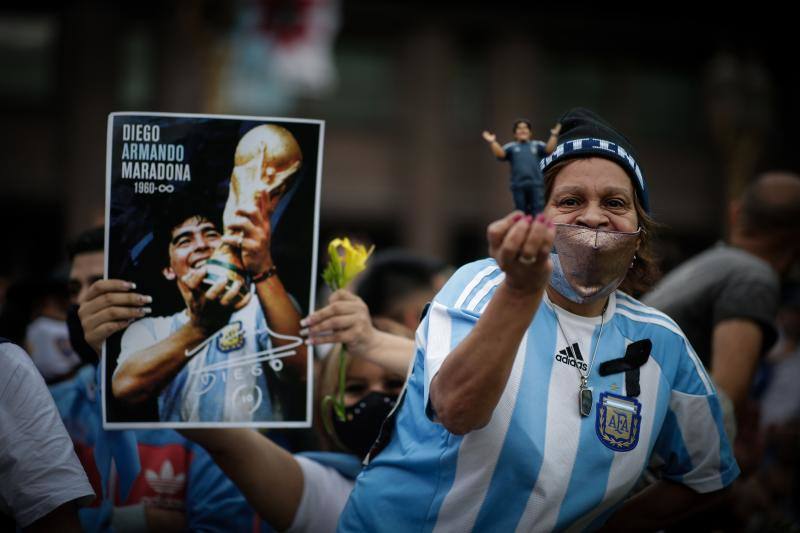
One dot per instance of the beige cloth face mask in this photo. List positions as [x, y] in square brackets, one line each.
[588, 263]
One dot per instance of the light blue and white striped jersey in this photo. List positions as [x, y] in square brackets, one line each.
[224, 381]
[538, 465]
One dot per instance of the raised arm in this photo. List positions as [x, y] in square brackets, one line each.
[346, 319]
[283, 318]
[552, 142]
[280, 312]
[497, 150]
[466, 389]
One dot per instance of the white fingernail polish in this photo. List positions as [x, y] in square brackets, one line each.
[132, 285]
[146, 310]
[304, 332]
[304, 322]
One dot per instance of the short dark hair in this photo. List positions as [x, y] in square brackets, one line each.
[521, 121]
[91, 240]
[770, 205]
[176, 214]
[393, 274]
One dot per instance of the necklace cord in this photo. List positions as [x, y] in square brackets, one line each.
[585, 377]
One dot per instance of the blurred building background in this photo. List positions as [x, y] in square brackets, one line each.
[406, 89]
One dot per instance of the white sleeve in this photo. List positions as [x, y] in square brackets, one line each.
[38, 466]
[692, 444]
[138, 336]
[452, 315]
[325, 492]
[438, 340]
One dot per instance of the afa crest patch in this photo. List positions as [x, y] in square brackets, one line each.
[617, 421]
[231, 337]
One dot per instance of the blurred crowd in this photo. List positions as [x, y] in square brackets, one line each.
[737, 303]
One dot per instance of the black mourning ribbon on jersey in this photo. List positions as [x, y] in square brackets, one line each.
[636, 355]
[424, 311]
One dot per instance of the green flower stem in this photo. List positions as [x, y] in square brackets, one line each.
[325, 420]
[337, 402]
[338, 405]
[336, 275]
[334, 281]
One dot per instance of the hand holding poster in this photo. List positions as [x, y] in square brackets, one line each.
[216, 219]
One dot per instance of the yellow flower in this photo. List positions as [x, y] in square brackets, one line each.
[333, 252]
[346, 262]
[355, 260]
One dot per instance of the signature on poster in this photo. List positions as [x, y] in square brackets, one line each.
[272, 354]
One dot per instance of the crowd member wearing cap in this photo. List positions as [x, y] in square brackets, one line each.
[540, 390]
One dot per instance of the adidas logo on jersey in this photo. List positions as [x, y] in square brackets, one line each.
[571, 355]
[165, 482]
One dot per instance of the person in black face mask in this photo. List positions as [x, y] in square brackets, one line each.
[370, 394]
[304, 492]
[307, 491]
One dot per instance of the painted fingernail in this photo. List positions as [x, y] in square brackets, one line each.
[550, 224]
[528, 218]
[540, 218]
[516, 217]
[304, 332]
[146, 299]
[304, 322]
[145, 311]
[309, 342]
[131, 285]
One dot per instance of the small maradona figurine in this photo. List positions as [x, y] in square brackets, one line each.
[523, 153]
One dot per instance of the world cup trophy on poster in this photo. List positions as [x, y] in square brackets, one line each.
[266, 157]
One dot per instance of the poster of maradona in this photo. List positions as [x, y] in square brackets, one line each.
[212, 221]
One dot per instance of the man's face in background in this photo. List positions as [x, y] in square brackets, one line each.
[86, 268]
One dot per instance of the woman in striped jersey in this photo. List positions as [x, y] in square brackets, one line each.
[540, 389]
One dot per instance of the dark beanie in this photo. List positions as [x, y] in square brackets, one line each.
[584, 134]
